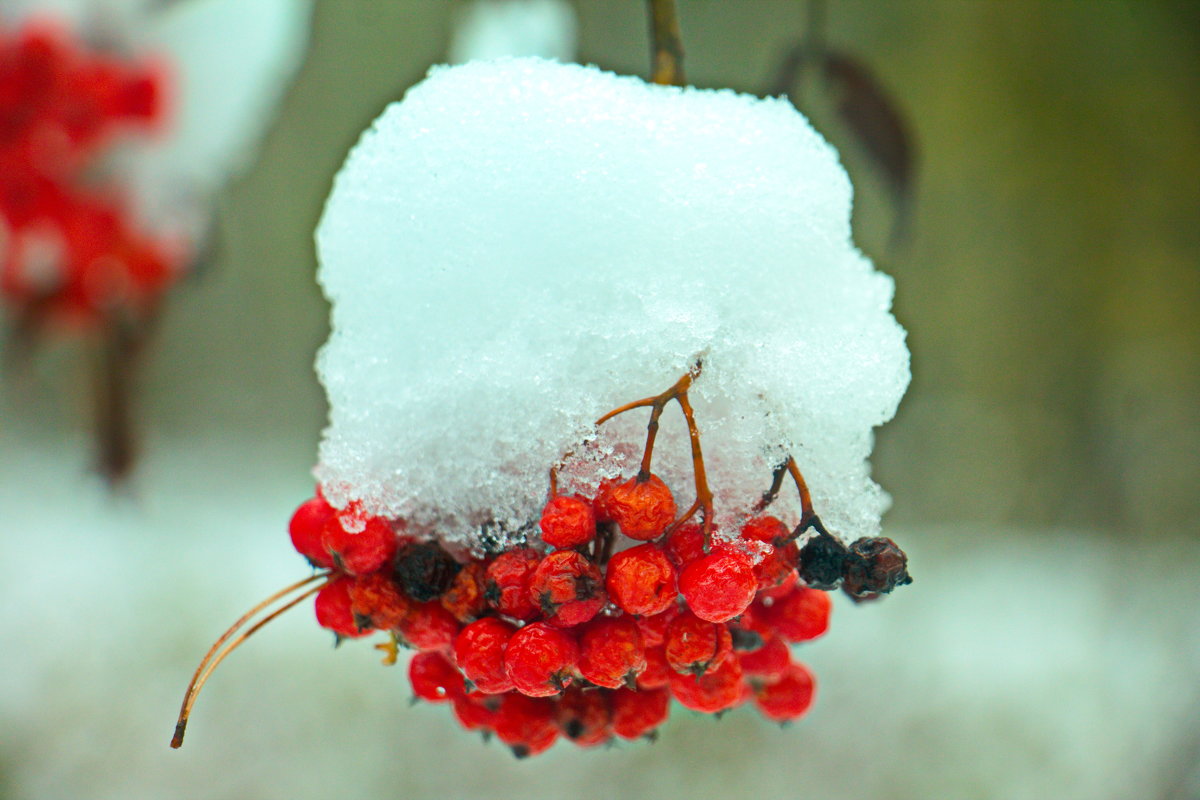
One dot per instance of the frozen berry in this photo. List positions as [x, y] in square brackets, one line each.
[800, 615]
[465, 596]
[568, 588]
[641, 580]
[720, 585]
[610, 652]
[528, 725]
[637, 714]
[568, 521]
[540, 659]
[359, 543]
[479, 653]
[875, 566]
[787, 697]
[305, 530]
[507, 588]
[712, 691]
[424, 570]
[334, 612]
[642, 508]
[434, 678]
[696, 646]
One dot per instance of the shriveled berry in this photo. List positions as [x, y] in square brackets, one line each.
[540, 659]
[638, 713]
[720, 585]
[424, 570]
[305, 530]
[642, 509]
[685, 544]
[377, 602]
[641, 580]
[429, 627]
[711, 692]
[568, 588]
[787, 697]
[567, 521]
[528, 725]
[800, 615]
[359, 543]
[766, 529]
[465, 596]
[585, 717]
[769, 661]
[507, 587]
[696, 646]
[333, 609]
[479, 653]
[610, 652]
[654, 628]
[823, 562]
[875, 566]
[434, 678]
[657, 672]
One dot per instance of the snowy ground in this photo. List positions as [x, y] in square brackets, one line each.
[1021, 664]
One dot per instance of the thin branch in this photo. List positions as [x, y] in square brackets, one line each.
[666, 48]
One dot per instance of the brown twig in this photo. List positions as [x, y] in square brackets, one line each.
[808, 517]
[666, 46]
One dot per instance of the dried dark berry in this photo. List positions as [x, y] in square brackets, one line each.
[875, 566]
[424, 570]
[823, 562]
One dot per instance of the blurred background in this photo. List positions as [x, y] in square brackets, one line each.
[1043, 465]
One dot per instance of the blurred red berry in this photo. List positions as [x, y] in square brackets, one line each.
[359, 543]
[479, 653]
[654, 628]
[800, 615]
[528, 725]
[429, 627]
[657, 672]
[434, 678]
[788, 696]
[685, 544]
[334, 612]
[585, 717]
[305, 530]
[639, 713]
[769, 661]
[712, 691]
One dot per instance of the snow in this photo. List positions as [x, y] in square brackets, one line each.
[494, 28]
[519, 246]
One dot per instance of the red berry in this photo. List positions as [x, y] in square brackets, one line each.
[568, 588]
[434, 678]
[333, 609]
[359, 543]
[641, 580]
[657, 672]
[685, 544]
[479, 653]
[765, 529]
[782, 588]
[610, 652]
[654, 629]
[637, 714]
[787, 697]
[696, 646]
[800, 615]
[568, 521]
[777, 567]
[377, 602]
[769, 661]
[528, 725]
[465, 597]
[429, 627]
[507, 588]
[711, 692]
[305, 530]
[540, 659]
[476, 711]
[720, 585]
[584, 716]
[642, 509]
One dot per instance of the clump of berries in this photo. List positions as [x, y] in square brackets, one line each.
[626, 604]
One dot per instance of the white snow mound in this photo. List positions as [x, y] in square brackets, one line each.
[519, 246]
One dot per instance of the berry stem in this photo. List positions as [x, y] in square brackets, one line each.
[808, 517]
[666, 49]
[212, 658]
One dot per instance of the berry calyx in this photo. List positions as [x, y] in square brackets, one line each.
[641, 508]
[567, 521]
[540, 660]
[641, 580]
[720, 585]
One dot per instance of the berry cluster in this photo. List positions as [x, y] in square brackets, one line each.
[624, 604]
[69, 248]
